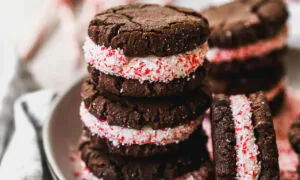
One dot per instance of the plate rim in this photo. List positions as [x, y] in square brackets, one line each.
[49, 155]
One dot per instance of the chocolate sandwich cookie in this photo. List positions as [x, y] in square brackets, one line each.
[146, 150]
[147, 137]
[147, 29]
[112, 166]
[244, 141]
[137, 113]
[246, 35]
[136, 45]
[118, 85]
[242, 22]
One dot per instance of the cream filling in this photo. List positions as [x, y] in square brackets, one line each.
[125, 136]
[248, 167]
[150, 68]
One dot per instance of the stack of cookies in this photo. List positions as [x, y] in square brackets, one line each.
[248, 38]
[146, 93]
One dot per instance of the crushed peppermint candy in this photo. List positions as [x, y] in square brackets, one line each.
[248, 167]
[259, 48]
[125, 136]
[150, 68]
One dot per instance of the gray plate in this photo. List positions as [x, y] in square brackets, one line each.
[63, 128]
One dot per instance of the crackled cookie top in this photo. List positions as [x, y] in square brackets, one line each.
[145, 29]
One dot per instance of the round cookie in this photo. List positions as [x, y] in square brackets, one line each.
[134, 88]
[242, 22]
[111, 166]
[136, 113]
[147, 29]
[146, 150]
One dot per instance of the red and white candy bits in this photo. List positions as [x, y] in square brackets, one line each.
[257, 49]
[125, 136]
[248, 167]
[150, 68]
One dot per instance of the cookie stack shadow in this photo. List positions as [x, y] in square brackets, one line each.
[146, 94]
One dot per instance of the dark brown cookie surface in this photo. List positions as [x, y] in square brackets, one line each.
[147, 150]
[294, 135]
[144, 29]
[134, 88]
[249, 82]
[223, 137]
[169, 167]
[243, 22]
[137, 113]
[265, 137]
[238, 67]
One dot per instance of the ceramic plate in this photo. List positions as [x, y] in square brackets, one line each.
[62, 131]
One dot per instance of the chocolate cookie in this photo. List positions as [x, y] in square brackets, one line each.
[251, 65]
[147, 29]
[265, 79]
[294, 135]
[198, 137]
[242, 22]
[243, 131]
[136, 113]
[134, 88]
[111, 166]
